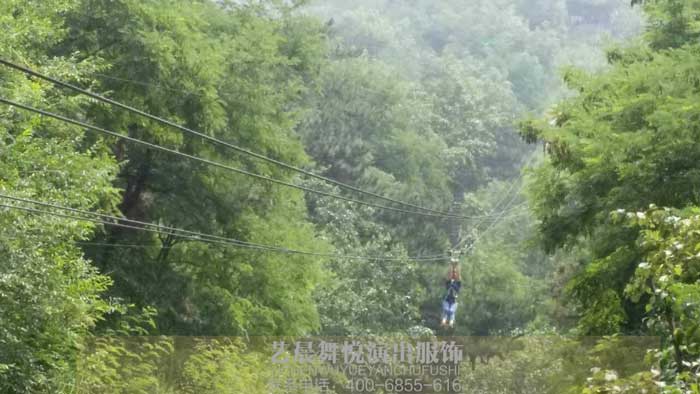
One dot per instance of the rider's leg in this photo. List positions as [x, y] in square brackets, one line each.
[453, 312]
[445, 312]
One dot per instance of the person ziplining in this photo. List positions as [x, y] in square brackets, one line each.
[449, 302]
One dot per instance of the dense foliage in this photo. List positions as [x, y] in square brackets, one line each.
[415, 101]
[628, 142]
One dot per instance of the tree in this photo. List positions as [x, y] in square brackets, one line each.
[626, 141]
[51, 295]
[673, 23]
[359, 296]
[233, 72]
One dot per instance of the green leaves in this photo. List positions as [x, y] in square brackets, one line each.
[356, 296]
[50, 295]
[674, 22]
[626, 142]
[667, 281]
[415, 102]
[230, 73]
[237, 73]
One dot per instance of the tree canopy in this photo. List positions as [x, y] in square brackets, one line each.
[546, 143]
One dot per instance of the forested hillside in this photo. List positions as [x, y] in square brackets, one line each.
[178, 168]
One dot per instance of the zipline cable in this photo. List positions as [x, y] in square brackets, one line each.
[78, 214]
[215, 140]
[190, 93]
[500, 215]
[210, 162]
[144, 246]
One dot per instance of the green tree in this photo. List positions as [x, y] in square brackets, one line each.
[361, 296]
[628, 139]
[235, 72]
[50, 294]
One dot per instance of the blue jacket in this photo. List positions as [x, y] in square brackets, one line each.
[453, 287]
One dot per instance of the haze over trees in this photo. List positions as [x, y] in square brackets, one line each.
[562, 132]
